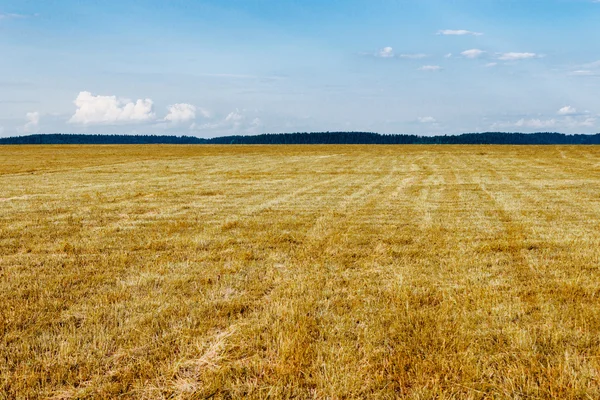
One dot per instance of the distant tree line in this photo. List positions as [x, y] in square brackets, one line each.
[63, 138]
[375, 138]
[542, 138]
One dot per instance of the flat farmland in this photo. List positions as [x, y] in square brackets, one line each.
[325, 272]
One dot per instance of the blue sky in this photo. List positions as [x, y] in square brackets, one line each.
[211, 68]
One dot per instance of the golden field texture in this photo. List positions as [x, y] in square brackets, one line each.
[325, 272]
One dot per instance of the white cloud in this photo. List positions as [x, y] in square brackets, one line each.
[571, 122]
[458, 32]
[33, 121]
[386, 52]
[592, 65]
[473, 53]
[181, 112]
[15, 16]
[587, 122]
[427, 120]
[110, 110]
[589, 69]
[517, 56]
[417, 56]
[236, 122]
[578, 121]
[449, 55]
[204, 112]
[234, 116]
[477, 53]
[536, 123]
[583, 72]
[10, 16]
[490, 65]
[567, 110]
[430, 68]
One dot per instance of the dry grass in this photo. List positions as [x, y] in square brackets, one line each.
[309, 272]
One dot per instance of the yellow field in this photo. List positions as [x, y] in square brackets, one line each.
[327, 272]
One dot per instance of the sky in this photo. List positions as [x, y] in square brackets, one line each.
[210, 68]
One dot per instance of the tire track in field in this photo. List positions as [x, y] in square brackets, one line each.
[573, 189]
[322, 291]
[430, 194]
[514, 238]
[285, 295]
[324, 224]
[289, 297]
[254, 210]
[329, 184]
[409, 180]
[564, 206]
[558, 225]
[522, 255]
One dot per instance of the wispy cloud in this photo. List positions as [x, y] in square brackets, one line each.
[16, 16]
[584, 72]
[416, 56]
[512, 56]
[473, 53]
[595, 64]
[458, 32]
[386, 52]
[563, 121]
[33, 121]
[182, 112]
[567, 110]
[11, 16]
[431, 68]
[237, 121]
[587, 69]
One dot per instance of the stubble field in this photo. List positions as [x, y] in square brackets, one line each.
[326, 272]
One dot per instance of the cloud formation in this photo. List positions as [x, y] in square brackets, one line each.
[15, 16]
[235, 122]
[235, 118]
[417, 56]
[584, 72]
[473, 53]
[10, 16]
[431, 68]
[567, 110]
[595, 64]
[536, 123]
[589, 69]
[568, 118]
[458, 32]
[110, 110]
[517, 56]
[181, 112]
[386, 52]
[566, 122]
[33, 121]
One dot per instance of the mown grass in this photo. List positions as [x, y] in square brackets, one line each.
[328, 272]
